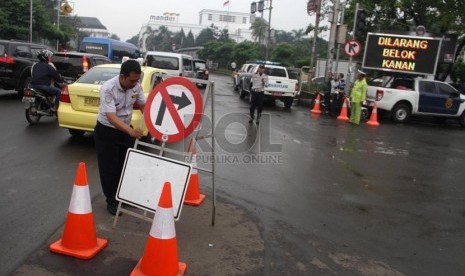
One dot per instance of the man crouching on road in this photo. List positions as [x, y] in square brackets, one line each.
[113, 134]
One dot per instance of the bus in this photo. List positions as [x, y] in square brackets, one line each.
[113, 49]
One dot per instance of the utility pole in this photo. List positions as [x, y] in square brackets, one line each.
[339, 39]
[268, 42]
[260, 7]
[332, 36]
[30, 23]
[58, 22]
[350, 78]
[314, 6]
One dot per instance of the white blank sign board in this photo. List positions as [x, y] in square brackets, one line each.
[143, 177]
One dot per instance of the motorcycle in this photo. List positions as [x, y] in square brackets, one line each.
[331, 103]
[37, 104]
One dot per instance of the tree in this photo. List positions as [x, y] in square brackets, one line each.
[244, 52]
[179, 39]
[259, 29]
[190, 40]
[224, 36]
[14, 22]
[115, 37]
[282, 53]
[150, 39]
[134, 40]
[164, 39]
[206, 35]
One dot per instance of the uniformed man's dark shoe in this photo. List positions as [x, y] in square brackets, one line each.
[112, 209]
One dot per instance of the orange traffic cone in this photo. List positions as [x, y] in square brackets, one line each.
[374, 117]
[79, 239]
[193, 196]
[316, 106]
[343, 115]
[161, 251]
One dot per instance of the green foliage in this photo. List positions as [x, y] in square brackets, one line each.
[15, 21]
[218, 51]
[244, 51]
[282, 53]
[259, 28]
[458, 72]
[134, 40]
[179, 39]
[205, 36]
[190, 40]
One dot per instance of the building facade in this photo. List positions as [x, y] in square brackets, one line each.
[237, 24]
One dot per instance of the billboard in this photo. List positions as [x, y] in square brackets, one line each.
[401, 53]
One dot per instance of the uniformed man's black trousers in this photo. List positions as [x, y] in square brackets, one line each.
[111, 145]
[256, 101]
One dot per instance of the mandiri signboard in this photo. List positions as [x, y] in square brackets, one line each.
[401, 53]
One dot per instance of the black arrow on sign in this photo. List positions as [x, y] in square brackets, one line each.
[181, 101]
[352, 47]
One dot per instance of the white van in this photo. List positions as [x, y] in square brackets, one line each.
[173, 63]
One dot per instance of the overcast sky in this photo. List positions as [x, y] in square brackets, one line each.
[125, 17]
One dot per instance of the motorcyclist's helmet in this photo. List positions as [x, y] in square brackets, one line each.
[44, 55]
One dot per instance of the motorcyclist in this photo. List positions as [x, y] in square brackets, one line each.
[337, 95]
[44, 77]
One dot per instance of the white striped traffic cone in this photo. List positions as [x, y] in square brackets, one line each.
[79, 239]
[161, 251]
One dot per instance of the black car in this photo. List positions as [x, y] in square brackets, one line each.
[16, 59]
[201, 70]
[71, 65]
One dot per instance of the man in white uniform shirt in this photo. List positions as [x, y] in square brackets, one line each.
[259, 82]
[113, 134]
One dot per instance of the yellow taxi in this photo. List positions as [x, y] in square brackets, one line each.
[79, 101]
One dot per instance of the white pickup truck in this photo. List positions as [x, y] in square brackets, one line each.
[406, 96]
[280, 86]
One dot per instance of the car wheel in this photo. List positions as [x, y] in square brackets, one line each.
[401, 113]
[288, 102]
[462, 119]
[76, 133]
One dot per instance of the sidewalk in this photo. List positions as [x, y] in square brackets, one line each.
[233, 246]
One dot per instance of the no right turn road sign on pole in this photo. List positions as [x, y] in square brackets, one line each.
[352, 48]
[173, 109]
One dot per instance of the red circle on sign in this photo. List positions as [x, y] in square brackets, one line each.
[171, 109]
[350, 53]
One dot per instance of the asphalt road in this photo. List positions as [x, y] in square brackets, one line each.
[329, 198]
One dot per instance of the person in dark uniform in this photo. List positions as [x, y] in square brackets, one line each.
[44, 75]
[113, 134]
[259, 82]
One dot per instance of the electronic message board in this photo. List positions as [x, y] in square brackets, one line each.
[400, 53]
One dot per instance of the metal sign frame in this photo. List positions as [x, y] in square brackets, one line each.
[208, 94]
